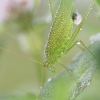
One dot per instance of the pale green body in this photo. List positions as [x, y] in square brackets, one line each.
[60, 39]
[60, 34]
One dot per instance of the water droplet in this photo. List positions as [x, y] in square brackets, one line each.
[49, 80]
[92, 42]
[62, 53]
[80, 29]
[78, 43]
[88, 83]
[77, 18]
[40, 87]
[68, 38]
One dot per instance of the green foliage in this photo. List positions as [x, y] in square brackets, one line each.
[98, 1]
[23, 75]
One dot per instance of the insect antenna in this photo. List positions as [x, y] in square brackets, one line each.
[34, 44]
[42, 69]
[38, 54]
[14, 52]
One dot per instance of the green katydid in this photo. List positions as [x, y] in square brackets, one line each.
[60, 39]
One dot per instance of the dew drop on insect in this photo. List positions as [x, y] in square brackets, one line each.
[68, 38]
[77, 18]
[78, 43]
[80, 29]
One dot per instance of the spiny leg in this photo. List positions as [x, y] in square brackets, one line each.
[84, 47]
[79, 41]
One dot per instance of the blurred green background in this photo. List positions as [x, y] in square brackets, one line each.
[27, 25]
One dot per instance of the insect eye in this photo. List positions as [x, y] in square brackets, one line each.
[77, 18]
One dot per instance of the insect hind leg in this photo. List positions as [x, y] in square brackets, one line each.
[79, 41]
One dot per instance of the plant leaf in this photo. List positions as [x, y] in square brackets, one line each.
[98, 1]
[63, 87]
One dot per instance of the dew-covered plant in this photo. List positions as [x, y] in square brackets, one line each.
[24, 24]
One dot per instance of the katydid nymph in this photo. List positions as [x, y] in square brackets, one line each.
[60, 39]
